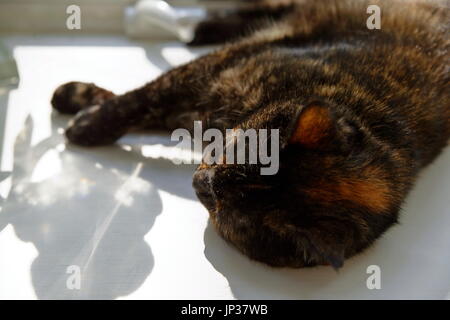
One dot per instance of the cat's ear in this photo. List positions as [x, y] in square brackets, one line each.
[314, 127]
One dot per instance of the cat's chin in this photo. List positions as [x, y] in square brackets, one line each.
[259, 244]
[261, 255]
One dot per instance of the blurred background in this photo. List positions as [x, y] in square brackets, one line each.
[143, 18]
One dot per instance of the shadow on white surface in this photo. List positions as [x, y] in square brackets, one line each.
[91, 209]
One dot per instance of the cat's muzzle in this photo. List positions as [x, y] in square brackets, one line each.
[202, 182]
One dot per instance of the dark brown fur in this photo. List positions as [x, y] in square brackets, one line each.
[360, 113]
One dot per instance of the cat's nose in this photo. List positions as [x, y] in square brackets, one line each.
[202, 183]
[203, 180]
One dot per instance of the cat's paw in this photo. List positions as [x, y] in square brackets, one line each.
[90, 128]
[72, 97]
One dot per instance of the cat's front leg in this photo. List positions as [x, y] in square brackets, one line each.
[174, 100]
[106, 123]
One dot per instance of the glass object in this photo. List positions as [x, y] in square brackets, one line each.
[9, 76]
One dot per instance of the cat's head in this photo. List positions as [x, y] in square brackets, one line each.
[331, 197]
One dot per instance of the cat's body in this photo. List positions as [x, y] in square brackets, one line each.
[360, 112]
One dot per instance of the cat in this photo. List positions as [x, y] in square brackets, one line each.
[360, 113]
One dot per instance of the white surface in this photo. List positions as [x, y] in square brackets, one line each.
[129, 218]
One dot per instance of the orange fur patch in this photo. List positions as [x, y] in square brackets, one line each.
[203, 166]
[373, 193]
[313, 127]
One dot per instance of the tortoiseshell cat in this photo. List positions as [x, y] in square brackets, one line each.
[360, 113]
